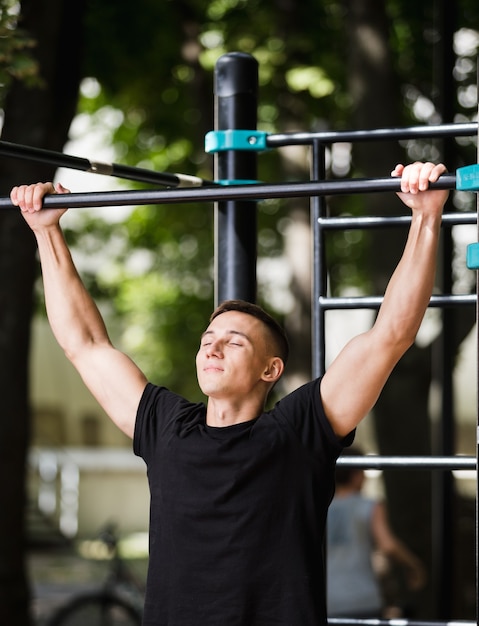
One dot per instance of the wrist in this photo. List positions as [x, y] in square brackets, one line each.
[41, 230]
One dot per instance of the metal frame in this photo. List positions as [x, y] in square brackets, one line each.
[443, 488]
[236, 248]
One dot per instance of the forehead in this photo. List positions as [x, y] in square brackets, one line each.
[236, 321]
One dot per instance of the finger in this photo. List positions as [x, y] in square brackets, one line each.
[19, 195]
[34, 195]
[429, 173]
[408, 178]
[14, 196]
[27, 204]
[424, 174]
[38, 191]
[437, 171]
[397, 171]
[59, 188]
[415, 177]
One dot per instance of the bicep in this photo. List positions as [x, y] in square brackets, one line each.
[352, 383]
[115, 381]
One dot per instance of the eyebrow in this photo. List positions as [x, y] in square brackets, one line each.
[228, 332]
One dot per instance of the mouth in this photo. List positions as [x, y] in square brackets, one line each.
[212, 368]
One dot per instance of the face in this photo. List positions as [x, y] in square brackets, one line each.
[233, 358]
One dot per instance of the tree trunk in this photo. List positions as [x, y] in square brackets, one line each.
[37, 117]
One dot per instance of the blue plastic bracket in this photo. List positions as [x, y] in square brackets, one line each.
[472, 256]
[222, 140]
[467, 178]
[237, 181]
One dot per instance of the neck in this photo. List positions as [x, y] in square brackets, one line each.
[226, 413]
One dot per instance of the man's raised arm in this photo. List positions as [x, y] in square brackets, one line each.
[115, 381]
[353, 382]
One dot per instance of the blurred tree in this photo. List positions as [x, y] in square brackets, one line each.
[148, 77]
[36, 113]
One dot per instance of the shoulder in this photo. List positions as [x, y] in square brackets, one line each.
[303, 411]
[160, 402]
[300, 406]
[307, 395]
[160, 410]
[156, 398]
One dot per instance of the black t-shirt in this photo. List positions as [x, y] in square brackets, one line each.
[237, 513]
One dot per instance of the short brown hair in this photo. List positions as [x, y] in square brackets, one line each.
[276, 330]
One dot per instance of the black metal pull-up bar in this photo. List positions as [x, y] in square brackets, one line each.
[58, 159]
[433, 131]
[373, 461]
[258, 191]
[399, 621]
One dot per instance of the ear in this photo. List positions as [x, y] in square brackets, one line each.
[273, 370]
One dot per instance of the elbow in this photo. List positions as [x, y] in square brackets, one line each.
[76, 350]
[400, 338]
[392, 346]
[405, 343]
[73, 347]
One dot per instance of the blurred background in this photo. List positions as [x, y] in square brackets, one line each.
[113, 81]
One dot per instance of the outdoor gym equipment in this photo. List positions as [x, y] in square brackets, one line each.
[235, 192]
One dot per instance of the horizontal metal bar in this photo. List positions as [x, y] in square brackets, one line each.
[370, 461]
[374, 302]
[366, 222]
[58, 159]
[351, 621]
[277, 140]
[233, 192]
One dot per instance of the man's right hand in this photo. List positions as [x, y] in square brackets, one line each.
[29, 198]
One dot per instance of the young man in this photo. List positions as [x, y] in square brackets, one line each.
[239, 496]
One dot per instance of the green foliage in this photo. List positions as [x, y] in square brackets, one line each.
[16, 60]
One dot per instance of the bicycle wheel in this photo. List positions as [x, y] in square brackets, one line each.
[96, 609]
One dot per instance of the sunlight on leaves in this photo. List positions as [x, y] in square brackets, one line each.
[312, 79]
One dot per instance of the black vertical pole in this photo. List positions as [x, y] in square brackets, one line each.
[236, 92]
[318, 209]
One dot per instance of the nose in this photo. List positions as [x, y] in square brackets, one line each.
[214, 349]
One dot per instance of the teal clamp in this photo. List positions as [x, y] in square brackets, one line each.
[472, 256]
[222, 140]
[237, 181]
[467, 178]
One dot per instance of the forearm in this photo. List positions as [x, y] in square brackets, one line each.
[409, 290]
[72, 313]
[368, 359]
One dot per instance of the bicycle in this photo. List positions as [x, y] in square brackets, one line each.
[119, 601]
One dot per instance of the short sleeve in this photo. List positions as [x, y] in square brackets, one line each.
[159, 411]
[304, 412]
